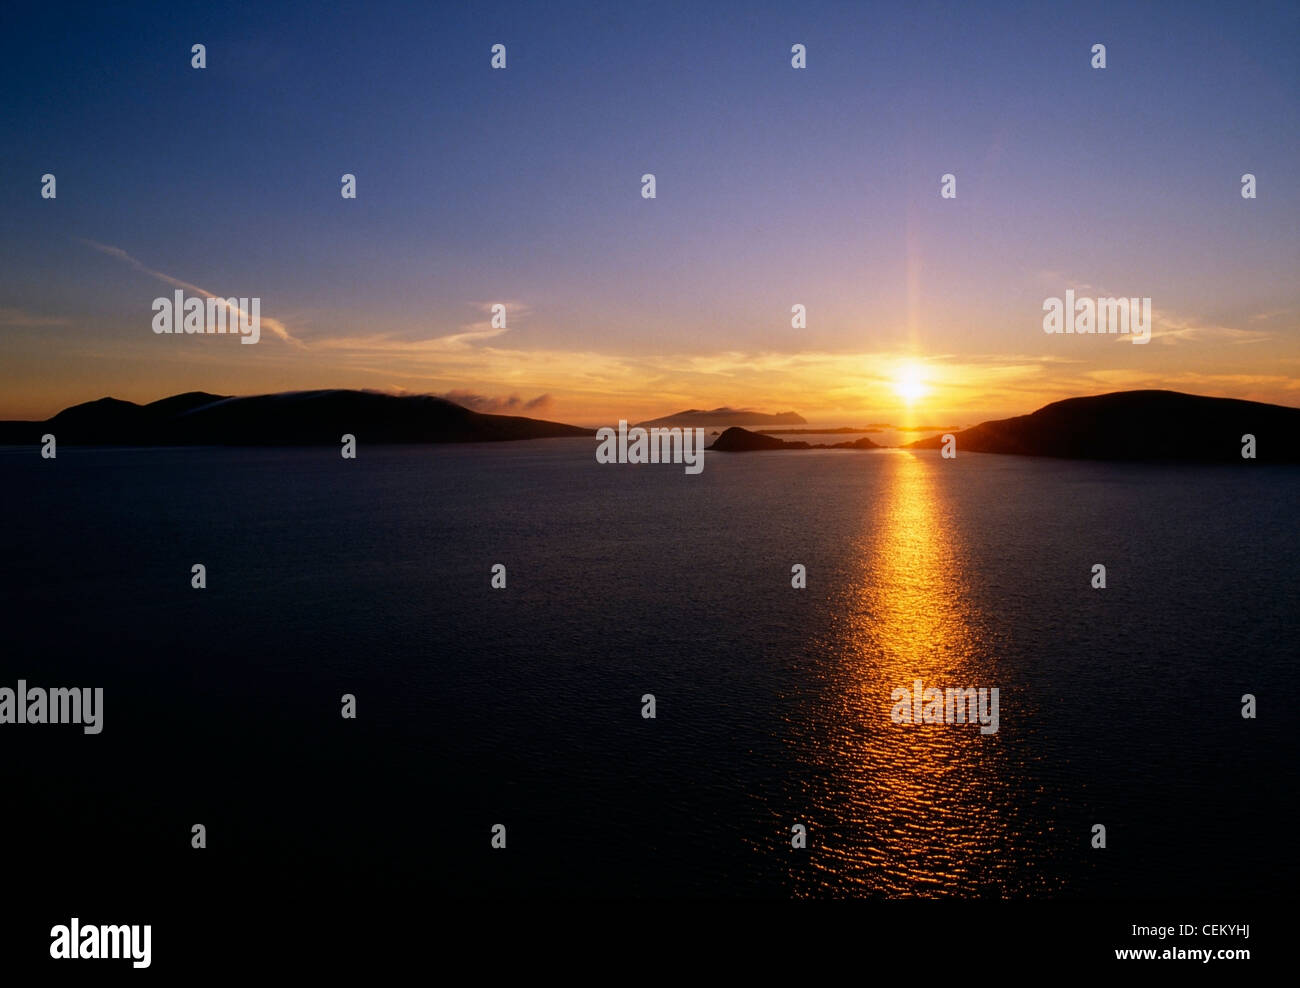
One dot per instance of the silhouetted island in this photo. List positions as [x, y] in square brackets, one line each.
[1140, 425]
[693, 417]
[738, 440]
[842, 430]
[288, 419]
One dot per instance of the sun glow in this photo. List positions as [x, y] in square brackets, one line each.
[909, 383]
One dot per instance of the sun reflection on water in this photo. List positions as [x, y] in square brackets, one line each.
[899, 809]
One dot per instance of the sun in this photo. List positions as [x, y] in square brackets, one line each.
[909, 383]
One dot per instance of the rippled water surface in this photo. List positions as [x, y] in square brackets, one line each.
[523, 706]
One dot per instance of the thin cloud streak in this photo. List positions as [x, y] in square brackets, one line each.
[274, 325]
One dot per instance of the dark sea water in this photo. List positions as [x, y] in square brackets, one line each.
[523, 706]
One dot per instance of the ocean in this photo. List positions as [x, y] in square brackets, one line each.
[774, 705]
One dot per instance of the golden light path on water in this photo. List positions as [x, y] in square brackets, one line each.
[904, 809]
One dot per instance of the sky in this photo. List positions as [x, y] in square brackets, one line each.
[775, 186]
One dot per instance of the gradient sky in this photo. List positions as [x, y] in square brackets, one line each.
[775, 187]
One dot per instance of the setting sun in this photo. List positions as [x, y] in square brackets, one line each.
[909, 383]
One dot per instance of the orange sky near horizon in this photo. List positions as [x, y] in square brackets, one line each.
[915, 197]
[594, 388]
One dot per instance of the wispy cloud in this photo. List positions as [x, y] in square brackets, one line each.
[483, 329]
[17, 318]
[1260, 387]
[274, 325]
[473, 333]
[1271, 314]
[1170, 328]
[461, 340]
[496, 405]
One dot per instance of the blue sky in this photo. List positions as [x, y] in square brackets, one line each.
[774, 186]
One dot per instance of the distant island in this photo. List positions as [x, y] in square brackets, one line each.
[842, 430]
[738, 440]
[1139, 425]
[295, 418]
[1124, 425]
[694, 417]
[853, 430]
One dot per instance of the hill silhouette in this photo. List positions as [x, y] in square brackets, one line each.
[1139, 425]
[738, 440]
[1123, 425]
[723, 416]
[289, 418]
